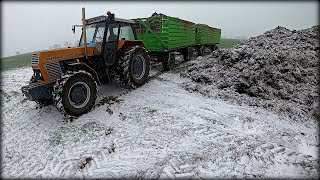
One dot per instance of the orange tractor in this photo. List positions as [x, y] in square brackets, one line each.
[68, 77]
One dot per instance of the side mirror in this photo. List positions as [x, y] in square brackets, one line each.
[74, 29]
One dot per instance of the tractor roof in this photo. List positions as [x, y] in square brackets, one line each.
[103, 18]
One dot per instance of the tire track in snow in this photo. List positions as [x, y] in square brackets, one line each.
[264, 154]
[274, 153]
[167, 134]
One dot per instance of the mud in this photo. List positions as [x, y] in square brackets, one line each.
[278, 70]
[108, 100]
[84, 163]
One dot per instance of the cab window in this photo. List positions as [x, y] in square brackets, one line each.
[112, 32]
[94, 33]
[126, 32]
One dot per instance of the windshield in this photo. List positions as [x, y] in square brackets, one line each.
[94, 33]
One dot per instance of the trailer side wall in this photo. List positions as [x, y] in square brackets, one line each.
[207, 35]
[165, 33]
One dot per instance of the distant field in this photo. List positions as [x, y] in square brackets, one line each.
[24, 59]
[16, 61]
[228, 43]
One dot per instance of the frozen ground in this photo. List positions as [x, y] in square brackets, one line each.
[157, 131]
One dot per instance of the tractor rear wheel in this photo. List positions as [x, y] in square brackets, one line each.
[75, 93]
[134, 66]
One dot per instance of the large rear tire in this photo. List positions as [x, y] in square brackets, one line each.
[134, 67]
[75, 93]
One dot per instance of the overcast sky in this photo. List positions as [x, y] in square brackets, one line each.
[29, 26]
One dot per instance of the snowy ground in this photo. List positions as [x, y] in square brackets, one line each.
[157, 131]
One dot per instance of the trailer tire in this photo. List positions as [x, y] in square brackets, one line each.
[202, 50]
[214, 47]
[134, 66]
[169, 63]
[75, 93]
[189, 55]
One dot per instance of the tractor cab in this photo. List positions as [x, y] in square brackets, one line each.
[108, 35]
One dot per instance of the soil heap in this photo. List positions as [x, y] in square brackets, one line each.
[278, 70]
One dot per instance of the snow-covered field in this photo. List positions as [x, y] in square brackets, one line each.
[157, 131]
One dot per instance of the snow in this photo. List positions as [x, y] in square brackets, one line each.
[159, 130]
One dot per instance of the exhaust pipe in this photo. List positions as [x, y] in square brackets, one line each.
[84, 32]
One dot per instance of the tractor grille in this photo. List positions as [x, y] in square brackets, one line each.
[35, 58]
[54, 70]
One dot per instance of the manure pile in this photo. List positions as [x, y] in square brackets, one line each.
[278, 70]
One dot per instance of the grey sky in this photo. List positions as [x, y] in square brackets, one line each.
[29, 26]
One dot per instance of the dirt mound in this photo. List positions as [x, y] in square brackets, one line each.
[277, 70]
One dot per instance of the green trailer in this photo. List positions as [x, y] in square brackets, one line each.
[207, 37]
[165, 36]
[164, 33]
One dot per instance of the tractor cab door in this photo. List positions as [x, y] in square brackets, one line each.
[115, 33]
[111, 43]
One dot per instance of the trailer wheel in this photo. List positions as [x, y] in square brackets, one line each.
[169, 63]
[189, 54]
[214, 47]
[75, 93]
[134, 66]
[202, 50]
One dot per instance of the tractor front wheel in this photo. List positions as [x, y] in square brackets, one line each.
[75, 93]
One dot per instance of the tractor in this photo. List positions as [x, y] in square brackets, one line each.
[68, 78]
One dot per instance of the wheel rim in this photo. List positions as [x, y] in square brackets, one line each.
[79, 95]
[138, 67]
